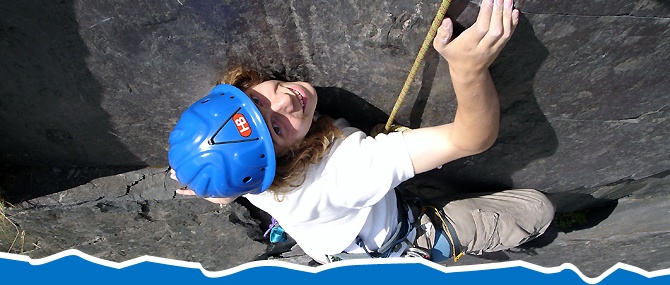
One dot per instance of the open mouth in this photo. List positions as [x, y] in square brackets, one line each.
[300, 96]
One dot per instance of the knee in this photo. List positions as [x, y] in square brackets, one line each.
[545, 208]
[509, 218]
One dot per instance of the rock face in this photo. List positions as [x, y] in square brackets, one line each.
[583, 87]
[90, 91]
[121, 217]
[124, 216]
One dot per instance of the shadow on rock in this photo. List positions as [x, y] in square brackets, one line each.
[24, 183]
[50, 109]
[525, 133]
[340, 103]
[567, 222]
[432, 58]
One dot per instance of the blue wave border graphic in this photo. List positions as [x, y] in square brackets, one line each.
[75, 267]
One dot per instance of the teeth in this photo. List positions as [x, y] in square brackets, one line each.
[302, 102]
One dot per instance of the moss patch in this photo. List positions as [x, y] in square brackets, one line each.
[571, 221]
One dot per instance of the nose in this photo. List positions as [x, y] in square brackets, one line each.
[282, 102]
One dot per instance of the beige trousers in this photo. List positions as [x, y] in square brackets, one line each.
[494, 221]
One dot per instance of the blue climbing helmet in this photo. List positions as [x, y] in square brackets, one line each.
[221, 146]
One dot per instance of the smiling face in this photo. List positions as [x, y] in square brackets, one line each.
[288, 109]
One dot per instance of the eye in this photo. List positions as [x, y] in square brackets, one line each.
[255, 100]
[277, 129]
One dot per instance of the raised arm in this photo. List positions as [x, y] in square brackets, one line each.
[475, 125]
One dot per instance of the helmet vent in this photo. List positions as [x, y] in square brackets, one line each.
[204, 101]
[246, 179]
[262, 155]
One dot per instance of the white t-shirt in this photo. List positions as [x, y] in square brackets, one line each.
[348, 194]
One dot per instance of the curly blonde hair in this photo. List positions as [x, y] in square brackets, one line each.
[292, 164]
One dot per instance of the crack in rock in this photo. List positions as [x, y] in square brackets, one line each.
[252, 229]
[144, 211]
[129, 187]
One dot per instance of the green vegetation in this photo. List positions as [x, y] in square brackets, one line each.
[568, 222]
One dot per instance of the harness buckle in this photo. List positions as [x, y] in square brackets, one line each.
[417, 252]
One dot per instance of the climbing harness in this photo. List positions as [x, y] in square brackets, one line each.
[446, 240]
[392, 244]
[437, 21]
[438, 217]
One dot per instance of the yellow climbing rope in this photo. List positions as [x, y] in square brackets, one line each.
[415, 67]
[390, 127]
[457, 255]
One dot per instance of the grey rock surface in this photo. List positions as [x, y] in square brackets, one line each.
[133, 214]
[583, 87]
[136, 213]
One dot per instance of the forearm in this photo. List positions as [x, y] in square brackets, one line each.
[477, 119]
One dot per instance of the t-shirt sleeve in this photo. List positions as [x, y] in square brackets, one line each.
[363, 169]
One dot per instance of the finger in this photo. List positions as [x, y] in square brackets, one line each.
[173, 174]
[515, 19]
[443, 35]
[220, 201]
[510, 21]
[187, 192]
[495, 29]
[507, 18]
[214, 200]
[484, 17]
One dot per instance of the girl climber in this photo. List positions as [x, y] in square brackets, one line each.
[332, 187]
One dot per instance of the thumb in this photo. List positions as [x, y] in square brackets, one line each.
[443, 36]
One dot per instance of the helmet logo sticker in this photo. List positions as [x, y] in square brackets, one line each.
[242, 125]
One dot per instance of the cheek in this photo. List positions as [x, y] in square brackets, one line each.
[280, 151]
[304, 127]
